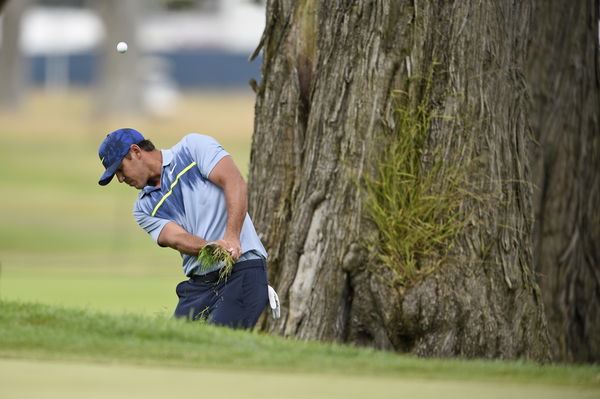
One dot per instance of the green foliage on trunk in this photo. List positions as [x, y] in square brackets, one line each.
[415, 196]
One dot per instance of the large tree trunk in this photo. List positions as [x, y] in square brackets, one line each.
[325, 114]
[120, 84]
[12, 60]
[564, 73]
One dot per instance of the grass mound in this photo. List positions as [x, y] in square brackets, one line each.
[44, 332]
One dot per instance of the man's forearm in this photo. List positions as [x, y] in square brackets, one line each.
[174, 236]
[236, 198]
[227, 176]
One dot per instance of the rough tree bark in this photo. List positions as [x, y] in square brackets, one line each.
[324, 110]
[564, 75]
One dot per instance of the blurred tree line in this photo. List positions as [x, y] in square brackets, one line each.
[119, 86]
[119, 81]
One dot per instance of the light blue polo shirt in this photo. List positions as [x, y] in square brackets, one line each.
[188, 198]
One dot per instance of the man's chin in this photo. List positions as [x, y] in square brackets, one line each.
[134, 185]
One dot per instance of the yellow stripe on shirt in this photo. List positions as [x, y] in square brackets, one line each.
[172, 185]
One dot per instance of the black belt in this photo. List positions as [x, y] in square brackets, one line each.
[213, 277]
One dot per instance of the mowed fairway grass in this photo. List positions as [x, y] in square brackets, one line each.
[86, 297]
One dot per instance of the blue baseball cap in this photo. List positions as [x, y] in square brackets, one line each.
[114, 148]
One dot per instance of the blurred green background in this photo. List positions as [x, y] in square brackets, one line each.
[63, 86]
[65, 239]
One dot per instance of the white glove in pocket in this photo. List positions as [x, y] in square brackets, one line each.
[274, 303]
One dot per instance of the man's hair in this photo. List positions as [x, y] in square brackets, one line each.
[146, 145]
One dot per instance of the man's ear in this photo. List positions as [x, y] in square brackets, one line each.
[135, 150]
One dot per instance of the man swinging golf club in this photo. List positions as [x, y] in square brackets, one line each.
[192, 195]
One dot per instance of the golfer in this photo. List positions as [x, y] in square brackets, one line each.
[190, 196]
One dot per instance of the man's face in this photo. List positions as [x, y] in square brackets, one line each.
[133, 170]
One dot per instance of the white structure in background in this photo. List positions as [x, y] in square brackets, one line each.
[60, 30]
[236, 26]
[57, 32]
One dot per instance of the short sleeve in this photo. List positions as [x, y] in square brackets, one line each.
[151, 224]
[206, 151]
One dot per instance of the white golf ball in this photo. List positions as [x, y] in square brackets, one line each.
[121, 47]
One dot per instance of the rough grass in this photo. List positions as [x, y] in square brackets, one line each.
[45, 332]
[212, 255]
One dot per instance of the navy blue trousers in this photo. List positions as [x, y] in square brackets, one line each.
[236, 301]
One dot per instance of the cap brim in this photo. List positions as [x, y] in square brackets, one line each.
[108, 175]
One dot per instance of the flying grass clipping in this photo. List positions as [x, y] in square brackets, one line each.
[212, 255]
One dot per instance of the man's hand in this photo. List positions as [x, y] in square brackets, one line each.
[274, 303]
[231, 245]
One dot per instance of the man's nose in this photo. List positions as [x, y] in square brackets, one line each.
[120, 177]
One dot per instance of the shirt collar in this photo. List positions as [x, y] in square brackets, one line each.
[167, 157]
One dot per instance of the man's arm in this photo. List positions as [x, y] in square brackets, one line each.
[227, 176]
[174, 236]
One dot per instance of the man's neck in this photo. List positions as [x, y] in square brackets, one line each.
[155, 168]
